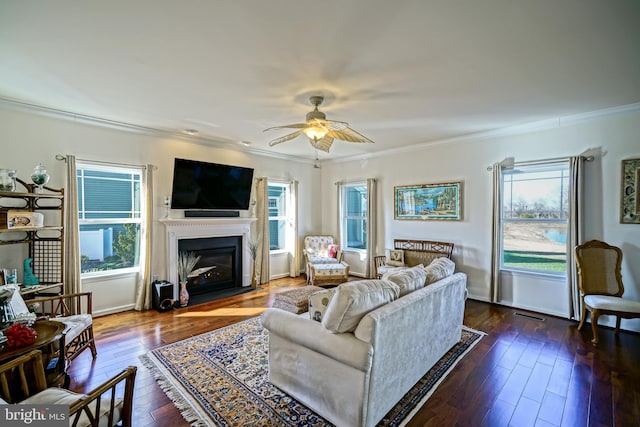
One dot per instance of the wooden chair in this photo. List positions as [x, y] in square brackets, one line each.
[75, 311]
[98, 407]
[600, 282]
[379, 261]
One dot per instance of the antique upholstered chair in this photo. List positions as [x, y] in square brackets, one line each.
[600, 282]
[99, 407]
[75, 311]
[321, 249]
[323, 259]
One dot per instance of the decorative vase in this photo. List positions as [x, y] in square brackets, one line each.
[39, 176]
[7, 180]
[184, 294]
[254, 278]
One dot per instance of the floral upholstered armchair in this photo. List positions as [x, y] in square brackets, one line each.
[322, 251]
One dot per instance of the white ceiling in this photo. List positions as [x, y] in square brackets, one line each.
[400, 72]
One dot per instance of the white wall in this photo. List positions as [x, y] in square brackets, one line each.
[616, 136]
[27, 138]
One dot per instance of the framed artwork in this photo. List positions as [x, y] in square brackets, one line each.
[629, 203]
[441, 201]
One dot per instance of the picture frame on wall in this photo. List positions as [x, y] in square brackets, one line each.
[441, 201]
[629, 203]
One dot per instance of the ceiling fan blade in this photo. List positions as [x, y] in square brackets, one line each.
[291, 126]
[323, 144]
[348, 135]
[336, 125]
[285, 138]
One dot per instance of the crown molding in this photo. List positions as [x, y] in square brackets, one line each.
[57, 113]
[541, 125]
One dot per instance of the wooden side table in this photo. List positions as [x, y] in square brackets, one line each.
[50, 341]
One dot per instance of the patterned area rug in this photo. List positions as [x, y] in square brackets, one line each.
[220, 378]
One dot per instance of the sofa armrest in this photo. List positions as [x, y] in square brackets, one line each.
[345, 348]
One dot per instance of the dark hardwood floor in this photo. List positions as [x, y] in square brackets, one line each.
[525, 372]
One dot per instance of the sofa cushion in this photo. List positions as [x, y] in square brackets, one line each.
[322, 260]
[408, 279]
[318, 303]
[383, 269]
[439, 269]
[353, 300]
[75, 323]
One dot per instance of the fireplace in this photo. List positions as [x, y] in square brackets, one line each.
[222, 243]
[219, 266]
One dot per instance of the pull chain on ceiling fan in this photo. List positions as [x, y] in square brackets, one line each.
[320, 131]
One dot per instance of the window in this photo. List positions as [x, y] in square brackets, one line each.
[109, 216]
[535, 218]
[354, 215]
[278, 214]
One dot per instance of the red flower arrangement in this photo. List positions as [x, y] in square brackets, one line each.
[19, 335]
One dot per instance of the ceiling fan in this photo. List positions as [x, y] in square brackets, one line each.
[320, 131]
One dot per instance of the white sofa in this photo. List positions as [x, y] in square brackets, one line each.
[355, 378]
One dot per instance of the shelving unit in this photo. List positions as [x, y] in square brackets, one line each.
[45, 243]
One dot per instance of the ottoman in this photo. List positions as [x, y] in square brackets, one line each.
[296, 300]
[328, 274]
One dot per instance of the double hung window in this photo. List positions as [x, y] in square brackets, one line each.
[535, 212]
[109, 217]
[278, 215]
[354, 199]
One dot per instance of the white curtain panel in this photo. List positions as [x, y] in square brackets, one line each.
[143, 286]
[575, 232]
[339, 186]
[372, 221]
[496, 240]
[71, 278]
[294, 258]
[262, 228]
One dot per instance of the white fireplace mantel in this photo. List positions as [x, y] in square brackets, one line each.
[194, 228]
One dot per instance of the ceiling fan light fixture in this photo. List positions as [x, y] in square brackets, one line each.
[315, 132]
[320, 131]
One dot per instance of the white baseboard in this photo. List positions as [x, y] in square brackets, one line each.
[113, 310]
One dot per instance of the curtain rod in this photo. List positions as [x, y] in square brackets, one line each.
[100, 162]
[352, 181]
[544, 161]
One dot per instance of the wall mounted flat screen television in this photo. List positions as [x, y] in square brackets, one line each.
[202, 185]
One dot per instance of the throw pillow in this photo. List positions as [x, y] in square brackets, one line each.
[353, 300]
[439, 269]
[396, 258]
[333, 250]
[318, 303]
[407, 279]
